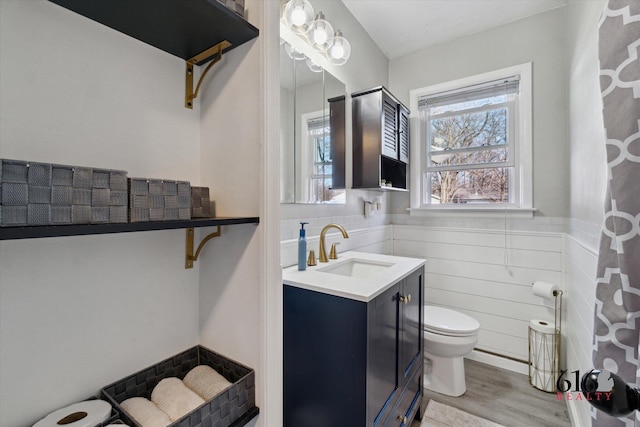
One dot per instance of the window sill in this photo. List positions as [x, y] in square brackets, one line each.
[468, 211]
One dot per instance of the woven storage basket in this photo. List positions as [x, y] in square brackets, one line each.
[200, 202]
[14, 192]
[34, 193]
[221, 411]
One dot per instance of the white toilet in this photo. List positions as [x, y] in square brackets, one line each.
[448, 337]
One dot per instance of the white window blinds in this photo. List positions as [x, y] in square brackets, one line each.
[470, 93]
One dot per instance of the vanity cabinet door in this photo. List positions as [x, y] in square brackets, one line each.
[382, 377]
[410, 325]
[410, 343]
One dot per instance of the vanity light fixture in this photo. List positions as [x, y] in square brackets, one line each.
[340, 50]
[320, 34]
[298, 14]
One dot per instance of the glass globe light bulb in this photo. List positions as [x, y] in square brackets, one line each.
[320, 34]
[340, 50]
[298, 14]
[337, 51]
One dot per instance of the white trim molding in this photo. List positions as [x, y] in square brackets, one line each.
[473, 211]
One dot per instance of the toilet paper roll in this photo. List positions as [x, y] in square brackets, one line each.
[145, 412]
[544, 290]
[174, 398]
[543, 380]
[88, 413]
[205, 381]
[543, 326]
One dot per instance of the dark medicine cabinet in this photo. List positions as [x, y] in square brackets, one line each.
[380, 140]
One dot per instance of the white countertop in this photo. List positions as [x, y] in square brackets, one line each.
[355, 288]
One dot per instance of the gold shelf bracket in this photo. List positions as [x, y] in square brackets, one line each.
[190, 257]
[216, 53]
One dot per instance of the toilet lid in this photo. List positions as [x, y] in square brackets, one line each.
[448, 322]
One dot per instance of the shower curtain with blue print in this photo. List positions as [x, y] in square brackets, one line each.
[617, 309]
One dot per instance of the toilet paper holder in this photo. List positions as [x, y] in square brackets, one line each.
[545, 348]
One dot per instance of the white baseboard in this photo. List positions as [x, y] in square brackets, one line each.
[574, 415]
[499, 362]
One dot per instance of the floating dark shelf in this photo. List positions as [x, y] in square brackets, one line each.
[184, 28]
[39, 231]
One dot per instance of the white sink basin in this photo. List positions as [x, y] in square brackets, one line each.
[354, 267]
[359, 276]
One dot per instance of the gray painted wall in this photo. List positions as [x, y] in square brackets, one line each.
[539, 39]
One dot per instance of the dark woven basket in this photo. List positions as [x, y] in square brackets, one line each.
[223, 410]
[33, 193]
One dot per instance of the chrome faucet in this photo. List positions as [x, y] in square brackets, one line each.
[323, 251]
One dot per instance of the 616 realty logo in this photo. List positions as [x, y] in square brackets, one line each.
[599, 390]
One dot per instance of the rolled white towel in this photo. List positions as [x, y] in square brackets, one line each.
[145, 412]
[205, 381]
[174, 398]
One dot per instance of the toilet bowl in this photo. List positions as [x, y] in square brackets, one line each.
[448, 337]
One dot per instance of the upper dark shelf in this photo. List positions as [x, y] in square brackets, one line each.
[184, 28]
[37, 231]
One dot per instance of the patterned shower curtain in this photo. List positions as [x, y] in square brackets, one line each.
[617, 310]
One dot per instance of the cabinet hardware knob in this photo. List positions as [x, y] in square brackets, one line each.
[405, 299]
[402, 418]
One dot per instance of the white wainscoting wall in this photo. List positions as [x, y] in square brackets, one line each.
[581, 258]
[488, 274]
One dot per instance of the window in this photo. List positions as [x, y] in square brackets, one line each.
[317, 168]
[475, 140]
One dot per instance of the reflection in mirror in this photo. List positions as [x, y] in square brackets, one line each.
[312, 132]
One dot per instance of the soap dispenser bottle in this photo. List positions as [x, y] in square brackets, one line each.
[302, 248]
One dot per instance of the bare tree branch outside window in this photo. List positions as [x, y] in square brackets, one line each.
[468, 152]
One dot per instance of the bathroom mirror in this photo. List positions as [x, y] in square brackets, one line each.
[312, 132]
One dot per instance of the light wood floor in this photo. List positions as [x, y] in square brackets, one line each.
[504, 397]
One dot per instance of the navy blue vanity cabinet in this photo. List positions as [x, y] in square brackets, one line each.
[352, 363]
